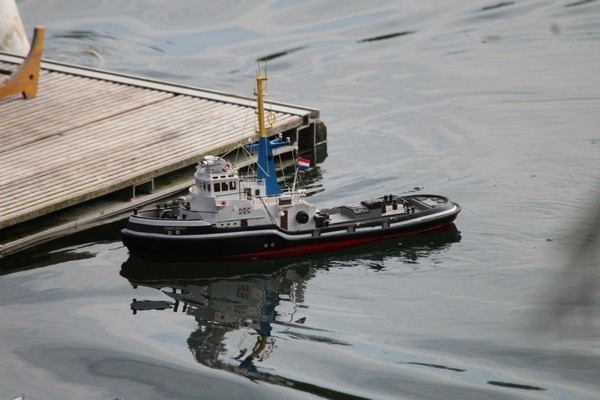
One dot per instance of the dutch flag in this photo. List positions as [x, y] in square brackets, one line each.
[303, 163]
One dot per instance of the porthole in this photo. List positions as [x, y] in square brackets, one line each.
[302, 217]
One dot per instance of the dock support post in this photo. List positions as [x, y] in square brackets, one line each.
[25, 79]
[306, 138]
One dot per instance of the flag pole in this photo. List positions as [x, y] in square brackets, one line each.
[295, 176]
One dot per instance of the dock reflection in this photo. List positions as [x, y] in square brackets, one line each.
[238, 306]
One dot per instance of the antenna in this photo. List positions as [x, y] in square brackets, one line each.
[264, 69]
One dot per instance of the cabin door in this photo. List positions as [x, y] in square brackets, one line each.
[284, 220]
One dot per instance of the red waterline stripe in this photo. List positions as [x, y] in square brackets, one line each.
[324, 247]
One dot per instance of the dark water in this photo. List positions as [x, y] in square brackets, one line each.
[495, 104]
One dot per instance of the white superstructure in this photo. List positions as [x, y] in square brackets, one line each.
[221, 198]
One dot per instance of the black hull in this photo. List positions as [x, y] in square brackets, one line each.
[207, 243]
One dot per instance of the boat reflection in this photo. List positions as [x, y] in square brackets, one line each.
[242, 308]
[228, 309]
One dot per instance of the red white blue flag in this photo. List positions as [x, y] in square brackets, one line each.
[303, 163]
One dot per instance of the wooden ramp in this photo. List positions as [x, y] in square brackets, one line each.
[89, 133]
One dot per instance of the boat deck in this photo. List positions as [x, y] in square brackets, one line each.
[89, 133]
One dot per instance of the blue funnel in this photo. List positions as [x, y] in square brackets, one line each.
[266, 166]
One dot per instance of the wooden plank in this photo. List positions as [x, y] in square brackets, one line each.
[88, 145]
[107, 167]
[53, 114]
[118, 155]
[53, 194]
[92, 141]
[84, 140]
[168, 87]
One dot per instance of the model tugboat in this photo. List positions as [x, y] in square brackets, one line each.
[229, 217]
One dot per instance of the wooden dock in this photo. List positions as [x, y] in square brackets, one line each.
[89, 134]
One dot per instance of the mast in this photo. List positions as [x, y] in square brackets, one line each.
[260, 93]
[266, 164]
